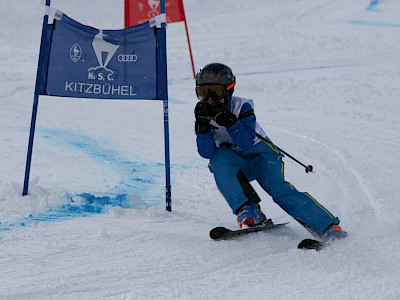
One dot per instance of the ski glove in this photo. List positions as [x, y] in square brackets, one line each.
[221, 114]
[203, 118]
[225, 118]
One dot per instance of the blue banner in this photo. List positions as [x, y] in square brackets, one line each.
[84, 62]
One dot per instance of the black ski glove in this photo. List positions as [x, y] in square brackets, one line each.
[221, 114]
[225, 118]
[203, 118]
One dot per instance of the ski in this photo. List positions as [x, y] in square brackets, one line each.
[310, 244]
[222, 233]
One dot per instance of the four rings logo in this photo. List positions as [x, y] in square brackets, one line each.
[127, 57]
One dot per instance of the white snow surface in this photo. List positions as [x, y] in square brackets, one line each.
[324, 76]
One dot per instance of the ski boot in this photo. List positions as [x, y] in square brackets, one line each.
[334, 232]
[250, 215]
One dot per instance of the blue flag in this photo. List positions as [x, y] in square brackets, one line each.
[84, 62]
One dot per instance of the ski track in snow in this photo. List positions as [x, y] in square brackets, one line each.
[354, 176]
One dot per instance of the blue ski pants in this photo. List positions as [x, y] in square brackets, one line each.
[265, 165]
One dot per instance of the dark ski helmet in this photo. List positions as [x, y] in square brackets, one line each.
[215, 74]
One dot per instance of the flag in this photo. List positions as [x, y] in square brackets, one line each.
[85, 62]
[140, 11]
[79, 61]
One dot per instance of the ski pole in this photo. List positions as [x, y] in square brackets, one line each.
[308, 168]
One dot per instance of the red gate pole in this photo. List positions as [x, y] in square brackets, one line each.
[188, 39]
[127, 13]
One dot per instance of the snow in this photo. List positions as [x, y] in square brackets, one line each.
[324, 76]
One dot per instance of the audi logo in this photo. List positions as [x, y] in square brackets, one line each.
[127, 57]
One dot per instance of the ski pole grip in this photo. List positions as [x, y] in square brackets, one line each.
[309, 168]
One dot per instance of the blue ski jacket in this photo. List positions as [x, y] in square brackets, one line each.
[240, 136]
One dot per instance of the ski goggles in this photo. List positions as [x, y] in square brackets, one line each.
[214, 91]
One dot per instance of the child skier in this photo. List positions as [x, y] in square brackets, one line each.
[239, 151]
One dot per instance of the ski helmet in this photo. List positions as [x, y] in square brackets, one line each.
[216, 74]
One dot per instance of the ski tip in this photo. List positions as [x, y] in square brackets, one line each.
[310, 244]
[218, 233]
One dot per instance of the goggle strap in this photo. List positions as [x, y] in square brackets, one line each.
[231, 85]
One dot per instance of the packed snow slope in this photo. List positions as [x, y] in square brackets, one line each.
[324, 76]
